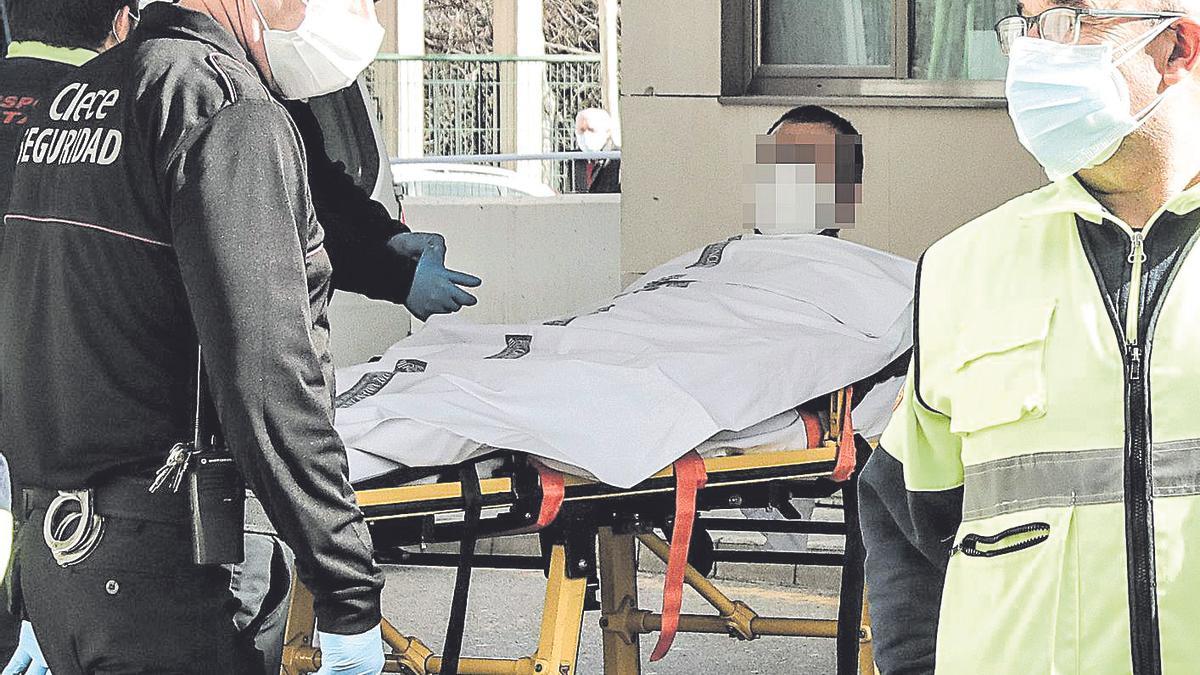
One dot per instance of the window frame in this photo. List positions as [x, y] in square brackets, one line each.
[745, 79]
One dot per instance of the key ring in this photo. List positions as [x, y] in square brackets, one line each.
[76, 534]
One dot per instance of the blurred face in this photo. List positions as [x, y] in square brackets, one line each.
[803, 180]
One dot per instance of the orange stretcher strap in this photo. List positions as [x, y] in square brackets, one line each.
[553, 491]
[690, 478]
[553, 486]
[812, 428]
[847, 456]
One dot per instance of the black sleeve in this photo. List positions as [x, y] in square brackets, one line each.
[908, 536]
[357, 228]
[239, 218]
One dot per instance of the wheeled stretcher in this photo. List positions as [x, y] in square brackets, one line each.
[702, 354]
[590, 532]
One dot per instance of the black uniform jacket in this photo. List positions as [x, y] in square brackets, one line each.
[357, 228]
[160, 198]
[24, 83]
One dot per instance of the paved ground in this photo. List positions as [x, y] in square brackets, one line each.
[505, 623]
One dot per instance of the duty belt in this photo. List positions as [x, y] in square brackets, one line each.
[75, 519]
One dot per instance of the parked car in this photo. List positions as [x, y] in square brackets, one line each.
[464, 180]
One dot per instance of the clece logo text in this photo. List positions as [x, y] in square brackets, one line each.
[75, 145]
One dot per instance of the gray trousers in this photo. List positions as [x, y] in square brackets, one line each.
[784, 541]
[262, 584]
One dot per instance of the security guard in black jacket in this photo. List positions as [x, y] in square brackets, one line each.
[51, 38]
[161, 202]
[372, 252]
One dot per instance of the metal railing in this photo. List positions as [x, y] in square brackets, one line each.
[490, 58]
[511, 157]
[453, 175]
[462, 104]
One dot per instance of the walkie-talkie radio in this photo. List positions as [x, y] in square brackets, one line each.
[216, 493]
[215, 490]
[218, 503]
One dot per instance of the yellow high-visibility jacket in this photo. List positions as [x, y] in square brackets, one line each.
[1036, 500]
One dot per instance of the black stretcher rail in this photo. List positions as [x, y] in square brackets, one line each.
[485, 561]
[599, 491]
[773, 526]
[779, 558]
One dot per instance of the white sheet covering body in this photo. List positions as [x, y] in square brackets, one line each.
[719, 339]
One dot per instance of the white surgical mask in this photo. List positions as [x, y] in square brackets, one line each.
[793, 202]
[1070, 103]
[327, 52]
[591, 141]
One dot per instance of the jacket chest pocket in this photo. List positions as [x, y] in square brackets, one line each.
[1000, 374]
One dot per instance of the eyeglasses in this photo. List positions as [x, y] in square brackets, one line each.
[1061, 24]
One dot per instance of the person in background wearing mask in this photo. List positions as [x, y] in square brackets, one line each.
[807, 175]
[160, 201]
[1033, 504]
[51, 38]
[594, 133]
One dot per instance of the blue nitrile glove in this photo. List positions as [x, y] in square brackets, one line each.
[360, 654]
[28, 658]
[435, 289]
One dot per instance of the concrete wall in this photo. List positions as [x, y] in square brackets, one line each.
[928, 170]
[538, 258]
[361, 328]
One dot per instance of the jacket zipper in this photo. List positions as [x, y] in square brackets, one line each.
[1133, 312]
[1139, 512]
[1135, 338]
[1139, 508]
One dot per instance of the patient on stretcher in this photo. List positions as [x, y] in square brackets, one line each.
[714, 351]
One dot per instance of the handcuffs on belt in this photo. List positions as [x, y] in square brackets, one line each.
[72, 528]
[74, 536]
[217, 500]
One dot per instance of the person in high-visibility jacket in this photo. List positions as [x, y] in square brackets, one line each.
[1035, 503]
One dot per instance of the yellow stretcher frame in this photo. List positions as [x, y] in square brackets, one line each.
[622, 620]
